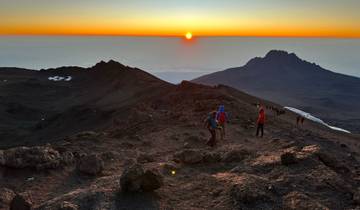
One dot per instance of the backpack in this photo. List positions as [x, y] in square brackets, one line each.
[222, 117]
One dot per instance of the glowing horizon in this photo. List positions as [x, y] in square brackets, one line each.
[260, 18]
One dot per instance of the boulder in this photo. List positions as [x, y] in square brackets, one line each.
[288, 158]
[39, 157]
[188, 156]
[21, 202]
[6, 196]
[68, 206]
[236, 155]
[91, 164]
[296, 201]
[151, 180]
[136, 179]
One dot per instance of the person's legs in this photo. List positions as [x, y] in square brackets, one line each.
[212, 141]
[262, 130]
[257, 129]
[223, 130]
[213, 137]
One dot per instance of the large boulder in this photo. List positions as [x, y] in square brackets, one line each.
[188, 156]
[235, 155]
[21, 202]
[296, 201]
[91, 164]
[6, 196]
[39, 157]
[136, 179]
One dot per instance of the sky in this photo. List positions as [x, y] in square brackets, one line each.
[269, 18]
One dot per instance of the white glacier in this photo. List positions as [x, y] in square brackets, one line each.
[315, 119]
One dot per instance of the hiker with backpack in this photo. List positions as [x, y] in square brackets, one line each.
[222, 118]
[211, 124]
[260, 122]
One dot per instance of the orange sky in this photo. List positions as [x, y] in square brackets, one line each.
[279, 18]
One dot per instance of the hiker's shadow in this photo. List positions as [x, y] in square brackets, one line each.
[136, 201]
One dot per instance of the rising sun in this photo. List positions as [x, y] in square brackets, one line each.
[188, 36]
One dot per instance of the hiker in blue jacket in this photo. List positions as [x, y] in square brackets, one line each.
[211, 124]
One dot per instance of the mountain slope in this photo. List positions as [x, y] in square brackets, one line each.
[286, 79]
[122, 116]
[33, 107]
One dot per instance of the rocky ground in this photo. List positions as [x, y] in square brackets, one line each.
[156, 158]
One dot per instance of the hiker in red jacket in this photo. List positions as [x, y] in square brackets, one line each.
[222, 118]
[260, 122]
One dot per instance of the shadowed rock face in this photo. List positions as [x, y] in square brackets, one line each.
[286, 79]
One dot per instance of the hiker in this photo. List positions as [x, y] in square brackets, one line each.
[302, 120]
[222, 118]
[211, 124]
[260, 122]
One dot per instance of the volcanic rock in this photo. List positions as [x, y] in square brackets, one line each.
[91, 164]
[188, 156]
[136, 179]
[39, 157]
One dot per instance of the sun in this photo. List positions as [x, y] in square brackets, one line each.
[188, 35]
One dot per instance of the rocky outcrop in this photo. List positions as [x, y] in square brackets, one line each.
[235, 155]
[136, 179]
[40, 157]
[189, 156]
[91, 164]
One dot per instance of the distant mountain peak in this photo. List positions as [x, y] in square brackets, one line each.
[109, 64]
[276, 57]
[280, 54]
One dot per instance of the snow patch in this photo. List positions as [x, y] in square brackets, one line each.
[59, 78]
[315, 119]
